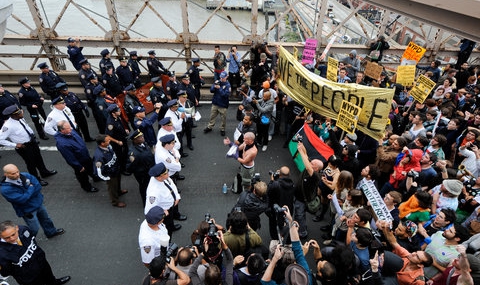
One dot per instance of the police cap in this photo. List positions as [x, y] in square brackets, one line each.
[71, 40]
[58, 100]
[11, 110]
[167, 138]
[196, 59]
[151, 52]
[130, 87]
[184, 76]
[91, 76]
[98, 89]
[104, 52]
[23, 80]
[84, 61]
[138, 109]
[112, 108]
[61, 86]
[133, 53]
[172, 103]
[165, 121]
[42, 65]
[155, 215]
[157, 170]
[155, 79]
[135, 134]
[171, 74]
[181, 92]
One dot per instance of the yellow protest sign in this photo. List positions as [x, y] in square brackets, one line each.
[422, 88]
[373, 70]
[413, 52]
[406, 75]
[325, 97]
[348, 117]
[332, 69]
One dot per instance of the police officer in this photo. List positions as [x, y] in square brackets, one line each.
[18, 134]
[195, 79]
[59, 112]
[186, 106]
[168, 155]
[74, 51]
[105, 61]
[162, 192]
[140, 160]
[111, 82]
[77, 107]
[145, 125]
[158, 96]
[91, 99]
[30, 98]
[85, 71]
[189, 88]
[75, 152]
[108, 168]
[118, 133]
[152, 232]
[131, 101]
[125, 73]
[100, 107]
[48, 79]
[133, 62]
[177, 120]
[172, 86]
[6, 100]
[155, 67]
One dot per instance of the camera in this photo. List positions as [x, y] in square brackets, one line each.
[413, 174]
[275, 174]
[279, 209]
[297, 138]
[217, 82]
[255, 178]
[207, 217]
[469, 183]
[239, 90]
[172, 250]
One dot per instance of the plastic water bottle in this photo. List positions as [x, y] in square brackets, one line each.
[224, 188]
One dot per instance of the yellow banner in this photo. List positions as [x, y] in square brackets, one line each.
[406, 75]
[325, 97]
[332, 69]
[348, 117]
[423, 87]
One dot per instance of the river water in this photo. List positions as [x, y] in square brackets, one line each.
[74, 23]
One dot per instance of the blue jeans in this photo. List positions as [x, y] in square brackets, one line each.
[39, 218]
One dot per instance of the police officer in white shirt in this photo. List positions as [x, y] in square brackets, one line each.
[166, 127]
[60, 112]
[167, 154]
[152, 233]
[162, 192]
[17, 133]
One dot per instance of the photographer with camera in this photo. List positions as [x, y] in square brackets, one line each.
[184, 260]
[157, 274]
[213, 274]
[253, 203]
[281, 191]
[297, 273]
[248, 270]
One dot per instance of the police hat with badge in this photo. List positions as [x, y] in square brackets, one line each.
[58, 100]
[84, 61]
[130, 87]
[133, 53]
[171, 73]
[11, 110]
[157, 170]
[61, 86]
[172, 103]
[135, 134]
[42, 65]
[91, 76]
[98, 89]
[166, 121]
[137, 109]
[166, 139]
[104, 52]
[185, 76]
[151, 52]
[156, 79]
[113, 108]
[23, 80]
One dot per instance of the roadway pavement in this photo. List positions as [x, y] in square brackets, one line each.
[100, 245]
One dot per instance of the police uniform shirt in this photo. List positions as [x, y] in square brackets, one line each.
[73, 102]
[176, 120]
[172, 89]
[56, 116]
[162, 132]
[48, 81]
[188, 107]
[149, 241]
[159, 195]
[13, 132]
[115, 129]
[169, 158]
[29, 97]
[194, 75]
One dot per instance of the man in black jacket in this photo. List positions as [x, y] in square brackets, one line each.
[22, 258]
[281, 191]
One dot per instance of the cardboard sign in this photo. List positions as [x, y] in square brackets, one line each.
[332, 69]
[406, 75]
[325, 97]
[378, 205]
[308, 55]
[373, 70]
[348, 117]
[422, 88]
[413, 52]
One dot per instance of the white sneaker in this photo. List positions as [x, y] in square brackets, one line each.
[269, 138]
[264, 148]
